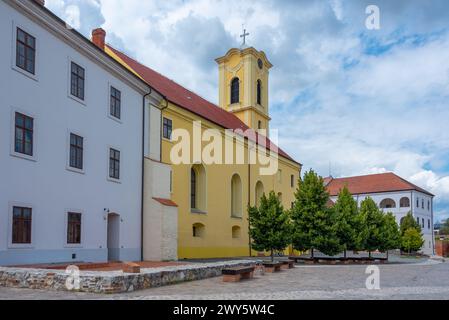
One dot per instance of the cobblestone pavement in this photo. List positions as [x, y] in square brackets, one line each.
[425, 280]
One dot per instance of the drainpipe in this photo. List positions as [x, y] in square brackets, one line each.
[143, 173]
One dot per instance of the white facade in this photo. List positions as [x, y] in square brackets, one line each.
[111, 209]
[419, 204]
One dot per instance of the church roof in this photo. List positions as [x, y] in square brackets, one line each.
[374, 183]
[192, 102]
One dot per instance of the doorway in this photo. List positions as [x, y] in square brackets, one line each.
[113, 237]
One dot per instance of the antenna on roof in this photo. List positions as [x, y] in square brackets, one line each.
[330, 169]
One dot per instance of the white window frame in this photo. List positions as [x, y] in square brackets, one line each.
[68, 167]
[34, 76]
[13, 135]
[108, 109]
[69, 80]
[121, 166]
[31, 245]
[66, 222]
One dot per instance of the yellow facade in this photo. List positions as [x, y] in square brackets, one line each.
[217, 240]
[250, 67]
[218, 225]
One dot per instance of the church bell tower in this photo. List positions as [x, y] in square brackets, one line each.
[243, 86]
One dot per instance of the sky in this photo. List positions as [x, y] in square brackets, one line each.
[347, 100]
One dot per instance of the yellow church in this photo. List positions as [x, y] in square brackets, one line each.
[204, 212]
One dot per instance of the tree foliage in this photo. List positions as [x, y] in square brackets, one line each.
[412, 240]
[348, 221]
[313, 222]
[373, 220]
[270, 227]
[391, 236]
[409, 222]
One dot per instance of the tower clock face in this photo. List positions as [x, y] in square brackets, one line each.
[260, 63]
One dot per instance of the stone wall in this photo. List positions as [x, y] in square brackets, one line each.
[114, 281]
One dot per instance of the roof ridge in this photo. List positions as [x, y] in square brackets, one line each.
[365, 175]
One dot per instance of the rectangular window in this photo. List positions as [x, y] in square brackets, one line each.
[428, 223]
[292, 180]
[422, 224]
[73, 228]
[77, 81]
[76, 151]
[417, 202]
[25, 51]
[23, 137]
[422, 203]
[428, 205]
[114, 164]
[417, 220]
[21, 225]
[116, 101]
[167, 128]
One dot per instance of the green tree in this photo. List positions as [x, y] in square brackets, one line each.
[391, 236]
[349, 227]
[408, 222]
[270, 225]
[412, 240]
[313, 222]
[373, 220]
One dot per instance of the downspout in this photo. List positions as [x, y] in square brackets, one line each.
[143, 173]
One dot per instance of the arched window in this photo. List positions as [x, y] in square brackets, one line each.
[259, 92]
[198, 188]
[235, 90]
[259, 192]
[387, 203]
[236, 196]
[236, 232]
[404, 202]
[198, 230]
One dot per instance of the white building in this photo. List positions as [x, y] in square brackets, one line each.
[392, 194]
[72, 143]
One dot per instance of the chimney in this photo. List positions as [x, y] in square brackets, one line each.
[41, 2]
[98, 37]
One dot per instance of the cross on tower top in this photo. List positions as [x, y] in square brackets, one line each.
[244, 36]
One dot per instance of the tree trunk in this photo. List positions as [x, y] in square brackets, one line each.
[311, 253]
[272, 257]
[345, 254]
[369, 254]
[387, 255]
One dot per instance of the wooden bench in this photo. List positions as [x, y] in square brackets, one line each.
[131, 267]
[235, 274]
[272, 266]
[287, 264]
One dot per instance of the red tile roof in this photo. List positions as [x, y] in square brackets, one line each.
[192, 102]
[374, 183]
[166, 202]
